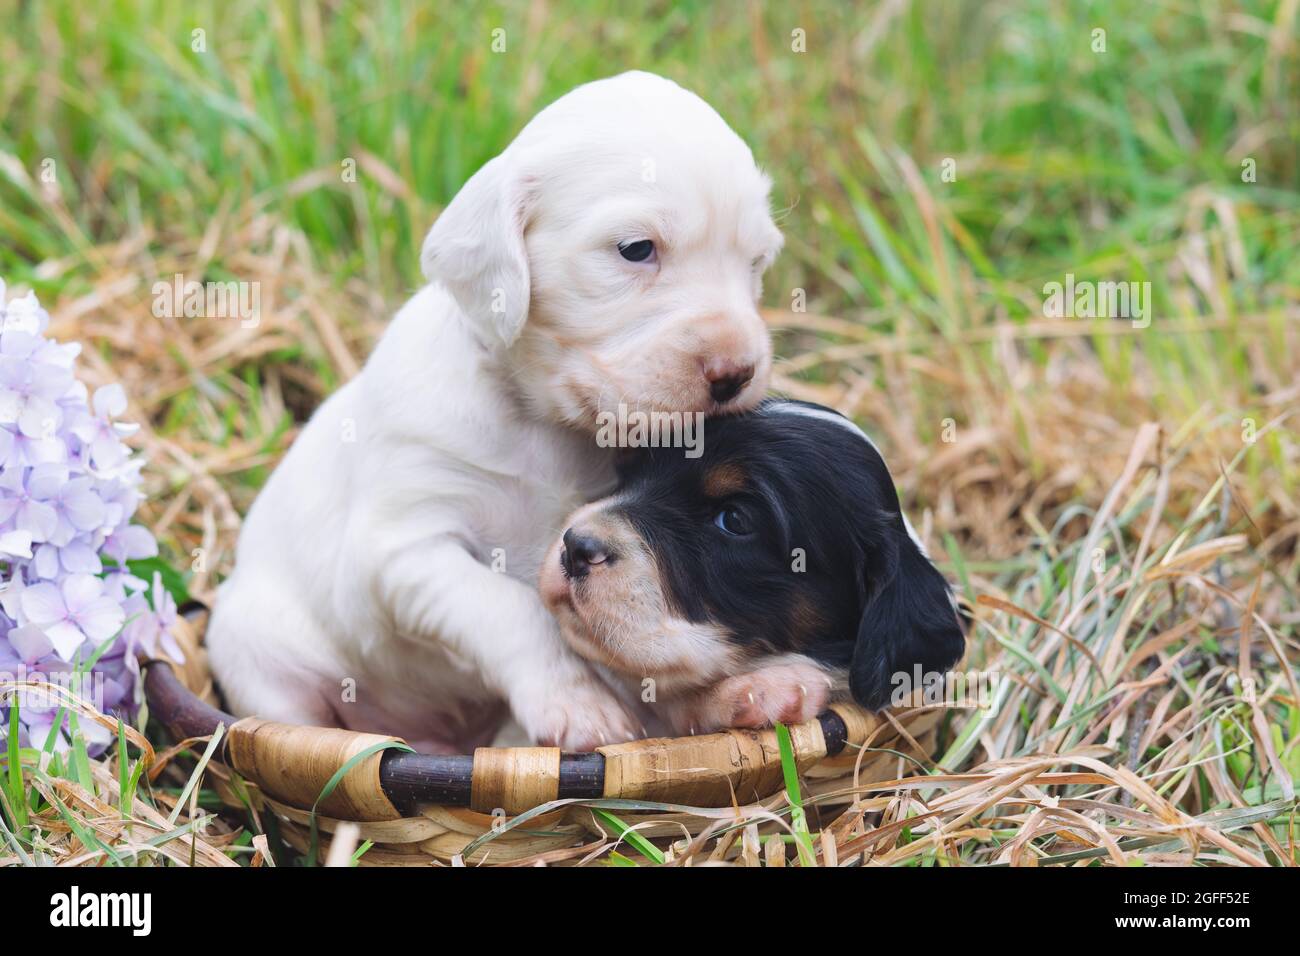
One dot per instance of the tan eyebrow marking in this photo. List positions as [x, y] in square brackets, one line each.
[725, 479]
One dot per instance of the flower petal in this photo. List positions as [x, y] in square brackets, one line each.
[110, 401]
[80, 591]
[101, 619]
[137, 542]
[46, 481]
[38, 451]
[107, 452]
[30, 642]
[38, 519]
[46, 563]
[18, 343]
[78, 557]
[43, 603]
[39, 417]
[66, 638]
[16, 544]
[84, 509]
[11, 593]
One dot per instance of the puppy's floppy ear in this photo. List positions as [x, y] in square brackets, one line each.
[476, 249]
[909, 619]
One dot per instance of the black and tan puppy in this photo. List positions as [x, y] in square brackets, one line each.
[756, 582]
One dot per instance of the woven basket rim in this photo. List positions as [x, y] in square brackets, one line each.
[372, 777]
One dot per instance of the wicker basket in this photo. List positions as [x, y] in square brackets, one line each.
[517, 804]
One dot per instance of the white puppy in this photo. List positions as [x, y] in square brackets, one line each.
[384, 579]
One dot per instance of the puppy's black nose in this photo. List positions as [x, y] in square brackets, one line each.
[581, 551]
[728, 385]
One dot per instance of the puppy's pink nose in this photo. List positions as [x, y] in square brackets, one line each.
[726, 379]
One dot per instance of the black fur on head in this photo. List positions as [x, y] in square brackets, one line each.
[787, 534]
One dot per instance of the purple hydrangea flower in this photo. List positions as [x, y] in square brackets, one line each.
[68, 490]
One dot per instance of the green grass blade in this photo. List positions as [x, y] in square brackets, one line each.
[361, 851]
[123, 804]
[798, 817]
[199, 767]
[80, 756]
[633, 838]
[335, 780]
[17, 793]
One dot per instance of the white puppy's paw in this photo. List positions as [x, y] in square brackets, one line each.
[578, 717]
[789, 692]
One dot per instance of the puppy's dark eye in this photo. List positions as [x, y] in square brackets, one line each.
[734, 521]
[638, 251]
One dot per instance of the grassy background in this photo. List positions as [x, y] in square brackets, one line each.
[1004, 428]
